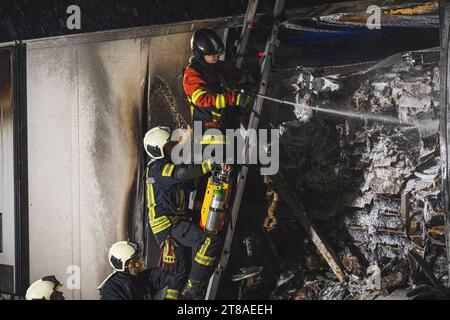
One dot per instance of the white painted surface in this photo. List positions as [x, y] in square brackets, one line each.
[7, 257]
[53, 198]
[84, 103]
[7, 187]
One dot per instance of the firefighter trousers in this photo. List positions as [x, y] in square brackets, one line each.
[205, 250]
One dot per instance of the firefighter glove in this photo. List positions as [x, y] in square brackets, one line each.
[167, 259]
[244, 100]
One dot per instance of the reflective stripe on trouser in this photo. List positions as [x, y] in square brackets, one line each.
[201, 256]
[229, 152]
[213, 139]
[172, 294]
[207, 247]
[204, 260]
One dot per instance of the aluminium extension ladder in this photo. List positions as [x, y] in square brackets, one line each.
[272, 42]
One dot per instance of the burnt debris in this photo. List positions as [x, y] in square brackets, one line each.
[374, 188]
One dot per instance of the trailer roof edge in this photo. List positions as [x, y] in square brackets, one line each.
[187, 26]
[123, 34]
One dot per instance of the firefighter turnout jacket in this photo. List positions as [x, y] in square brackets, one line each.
[209, 92]
[166, 197]
[124, 286]
[167, 207]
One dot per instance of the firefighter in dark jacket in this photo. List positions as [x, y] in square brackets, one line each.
[130, 281]
[169, 221]
[209, 86]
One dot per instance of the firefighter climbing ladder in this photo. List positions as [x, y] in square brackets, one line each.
[272, 42]
[286, 193]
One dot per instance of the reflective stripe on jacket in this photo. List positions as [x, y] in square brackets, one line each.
[166, 200]
[207, 92]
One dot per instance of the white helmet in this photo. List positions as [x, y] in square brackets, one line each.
[155, 139]
[42, 288]
[122, 252]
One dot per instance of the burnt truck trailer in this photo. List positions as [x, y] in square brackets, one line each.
[74, 109]
[73, 113]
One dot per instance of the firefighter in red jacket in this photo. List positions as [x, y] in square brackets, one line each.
[208, 84]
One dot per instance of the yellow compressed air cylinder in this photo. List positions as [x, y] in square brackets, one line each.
[211, 189]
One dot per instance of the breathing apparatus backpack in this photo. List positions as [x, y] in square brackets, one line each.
[216, 201]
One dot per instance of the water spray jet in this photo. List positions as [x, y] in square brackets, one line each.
[351, 114]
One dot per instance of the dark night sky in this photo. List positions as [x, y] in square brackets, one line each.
[27, 19]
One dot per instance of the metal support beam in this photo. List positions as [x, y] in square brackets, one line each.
[226, 31]
[444, 112]
[428, 272]
[22, 267]
[298, 210]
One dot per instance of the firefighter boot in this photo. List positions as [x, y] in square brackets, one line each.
[193, 290]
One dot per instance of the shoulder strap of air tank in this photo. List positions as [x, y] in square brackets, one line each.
[148, 179]
[198, 65]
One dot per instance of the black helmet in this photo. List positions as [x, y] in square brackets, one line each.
[206, 42]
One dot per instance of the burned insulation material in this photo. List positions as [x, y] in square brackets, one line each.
[373, 188]
[164, 107]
